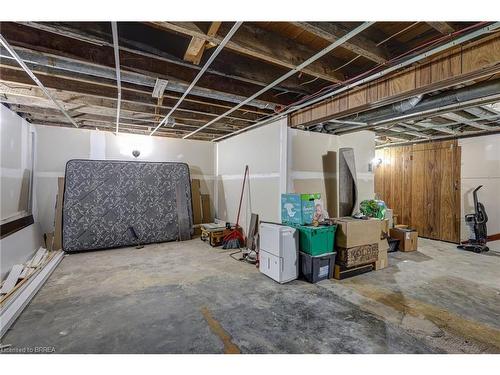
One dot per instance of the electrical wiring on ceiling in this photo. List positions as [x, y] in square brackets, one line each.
[392, 61]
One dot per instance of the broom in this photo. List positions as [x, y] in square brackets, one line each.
[234, 239]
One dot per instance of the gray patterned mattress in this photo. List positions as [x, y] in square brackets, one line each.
[124, 203]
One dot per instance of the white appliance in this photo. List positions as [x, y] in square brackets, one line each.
[278, 252]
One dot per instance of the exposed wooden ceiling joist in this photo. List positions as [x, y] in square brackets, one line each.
[197, 46]
[442, 27]
[153, 67]
[130, 93]
[259, 44]
[253, 73]
[360, 45]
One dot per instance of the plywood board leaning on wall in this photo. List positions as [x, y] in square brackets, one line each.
[57, 244]
[196, 197]
[205, 206]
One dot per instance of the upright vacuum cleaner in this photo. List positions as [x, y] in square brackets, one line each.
[477, 224]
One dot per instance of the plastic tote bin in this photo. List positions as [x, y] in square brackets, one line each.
[298, 209]
[316, 240]
[317, 268]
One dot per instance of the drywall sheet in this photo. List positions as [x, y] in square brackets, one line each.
[111, 204]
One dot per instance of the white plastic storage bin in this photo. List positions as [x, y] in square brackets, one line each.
[278, 252]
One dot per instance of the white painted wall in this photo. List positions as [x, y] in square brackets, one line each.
[314, 164]
[58, 145]
[262, 150]
[15, 162]
[481, 166]
[286, 160]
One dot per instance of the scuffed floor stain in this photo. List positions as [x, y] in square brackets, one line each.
[229, 346]
[444, 319]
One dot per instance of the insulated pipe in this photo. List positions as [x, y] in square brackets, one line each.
[392, 114]
[231, 32]
[114, 29]
[424, 55]
[9, 48]
[298, 68]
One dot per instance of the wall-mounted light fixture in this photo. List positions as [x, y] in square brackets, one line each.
[375, 163]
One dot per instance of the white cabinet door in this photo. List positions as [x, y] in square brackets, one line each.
[270, 265]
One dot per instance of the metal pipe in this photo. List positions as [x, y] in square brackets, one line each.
[143, 50]
[424, 55]
[35, 58]
[114, 29]
[220, 47]
[466, 96]
[9, 48]
[298, 68]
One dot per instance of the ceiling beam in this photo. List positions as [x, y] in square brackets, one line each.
[431, 126]
[197, 46]
[336, 103]
[20, 36]
[443, 27]
[464, 120]
[251, 73]
[130, 95]
[76, 103]
[359, 45]
[294, 70]
[261, 44]
[33, 112]
[65, 66]
[104, 126]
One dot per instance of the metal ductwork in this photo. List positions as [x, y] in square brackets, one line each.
[420, 106]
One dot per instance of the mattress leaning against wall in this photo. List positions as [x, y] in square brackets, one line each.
[111, 204]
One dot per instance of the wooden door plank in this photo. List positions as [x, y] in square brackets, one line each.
[418, 191]
[397, 182]
[457, 201]
[407, 186]
[447, 196]
[387, 177]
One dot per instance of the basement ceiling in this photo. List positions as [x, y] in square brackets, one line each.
[75, 62]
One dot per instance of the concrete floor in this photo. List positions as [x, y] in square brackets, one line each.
[190, 298]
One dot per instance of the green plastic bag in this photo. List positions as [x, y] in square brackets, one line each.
[373, 208]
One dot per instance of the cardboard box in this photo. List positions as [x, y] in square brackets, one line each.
[298, 209]
[383, 260]
[358, 255]
[356, 232]
[408, 238]
[384, 228]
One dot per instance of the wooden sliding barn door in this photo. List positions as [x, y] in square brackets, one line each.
[421, 184]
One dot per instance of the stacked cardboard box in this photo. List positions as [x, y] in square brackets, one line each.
[383, 246]
[357, 242]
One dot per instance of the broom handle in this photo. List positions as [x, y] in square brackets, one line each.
[241, 196]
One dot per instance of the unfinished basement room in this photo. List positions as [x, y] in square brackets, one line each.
[250, 187]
